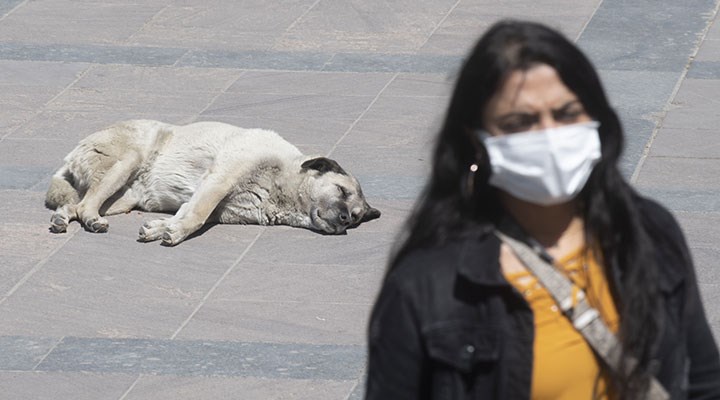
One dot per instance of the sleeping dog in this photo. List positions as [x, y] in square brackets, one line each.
[202, 172]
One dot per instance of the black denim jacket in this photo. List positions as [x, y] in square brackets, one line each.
[445, 328]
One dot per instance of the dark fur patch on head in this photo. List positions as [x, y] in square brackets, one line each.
[323, 165]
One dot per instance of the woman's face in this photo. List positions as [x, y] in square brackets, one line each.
[531, 100]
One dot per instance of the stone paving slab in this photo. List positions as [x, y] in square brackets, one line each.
[69, 21]
[281, 313]
[705, 70]
[22, 353]
[171, 388]
[130, 102]
[63, 385]
[223, 25]
[42, 74]
[91, 53]
[683, 142]
[710, 51]
[695, 105]
[7, 6]
[680, 173]
[310, 135]
[86, 289]
[701, 228]
[66, 129]
[266, 105]
[634, 35]
[202, 358]
[283, 322]
[398, 27]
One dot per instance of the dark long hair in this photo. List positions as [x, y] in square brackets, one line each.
[446, 210]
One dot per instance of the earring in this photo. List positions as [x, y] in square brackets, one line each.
[470, 182]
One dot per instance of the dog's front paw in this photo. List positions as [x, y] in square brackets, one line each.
[173, 235]
[96, 225]
[152, 230]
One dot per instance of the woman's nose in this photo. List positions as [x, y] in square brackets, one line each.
[547, 122]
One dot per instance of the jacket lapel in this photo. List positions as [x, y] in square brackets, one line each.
[479, 261]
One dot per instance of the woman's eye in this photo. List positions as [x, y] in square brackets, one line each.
[570, 113]
[568, 116]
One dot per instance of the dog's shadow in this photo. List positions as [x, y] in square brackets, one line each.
[210, 225]
[206, 227]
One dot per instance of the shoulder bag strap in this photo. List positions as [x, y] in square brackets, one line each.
[584, 317]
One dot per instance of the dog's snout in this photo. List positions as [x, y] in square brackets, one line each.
[345, 218]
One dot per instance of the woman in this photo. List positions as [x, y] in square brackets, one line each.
[530, 144]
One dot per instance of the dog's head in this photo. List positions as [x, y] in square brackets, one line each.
[337, 202]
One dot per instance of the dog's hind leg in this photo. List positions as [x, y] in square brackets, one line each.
[62, 197]
[88, 210]
[61, 218]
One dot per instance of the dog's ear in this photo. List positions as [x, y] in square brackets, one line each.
[371, 214]
[323, 165]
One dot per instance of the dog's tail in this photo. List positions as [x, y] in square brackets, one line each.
[61, 190]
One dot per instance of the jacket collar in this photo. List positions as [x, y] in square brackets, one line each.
[479, 260]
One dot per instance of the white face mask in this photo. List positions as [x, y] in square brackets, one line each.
[544, 167]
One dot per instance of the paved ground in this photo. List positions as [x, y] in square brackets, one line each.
[278, 313]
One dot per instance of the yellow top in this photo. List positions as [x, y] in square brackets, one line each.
[564, 365]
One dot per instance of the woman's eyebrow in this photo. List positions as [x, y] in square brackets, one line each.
[515, 114]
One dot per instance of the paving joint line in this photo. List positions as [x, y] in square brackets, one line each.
[66, 88]
[358, 382]
[306, 12]
[37, 267]
[44, 106]
[48, 353]
[352, 126]
[127, 41]
[587, 22]
[179, 60]
[22, 3]
[439, 24]
[215, 286]
[132, 386]
[666, 108]
[222, 92]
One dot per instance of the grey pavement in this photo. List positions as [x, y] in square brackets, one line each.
[248, 312]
